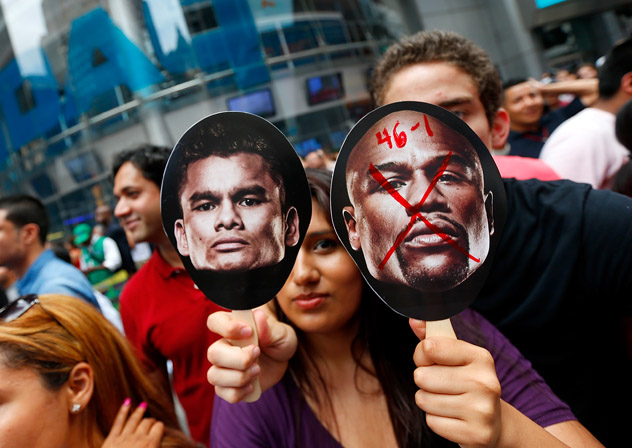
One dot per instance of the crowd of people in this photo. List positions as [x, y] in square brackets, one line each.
[111, 343]
[569, 124]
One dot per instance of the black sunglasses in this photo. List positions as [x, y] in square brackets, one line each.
[18, 307]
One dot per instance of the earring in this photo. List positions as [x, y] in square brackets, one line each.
[75, 408]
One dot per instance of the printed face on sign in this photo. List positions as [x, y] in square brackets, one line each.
[227, 208]
[234, 215]
[418, 211]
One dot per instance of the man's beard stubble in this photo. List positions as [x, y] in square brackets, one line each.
[420, 278]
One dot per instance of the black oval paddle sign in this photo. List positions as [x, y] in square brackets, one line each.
[418, 202]
[236, 204]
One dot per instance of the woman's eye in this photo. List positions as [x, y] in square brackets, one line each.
[324, 245]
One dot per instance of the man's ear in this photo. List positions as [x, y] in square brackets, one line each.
[292, 234]
[500, 129]
[348, 214]
[29, 233]
[489, 209]
[181, 237]
[79, 387]
[626, 83]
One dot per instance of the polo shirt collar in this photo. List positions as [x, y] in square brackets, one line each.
[162, 267]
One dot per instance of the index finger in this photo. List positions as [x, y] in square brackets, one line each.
[120, 418]
[134, 419]
[222, 323]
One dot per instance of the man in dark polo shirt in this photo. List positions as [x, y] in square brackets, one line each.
[531, 125]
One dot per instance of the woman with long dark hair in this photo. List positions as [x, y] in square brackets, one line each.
[338, 369]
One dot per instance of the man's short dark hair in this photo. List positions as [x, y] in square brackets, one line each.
[618, 62]
[513, 82]
[510, 83]
[225, 138]
[23, 209]
[440, 46]
[150, 160]
[623, 125]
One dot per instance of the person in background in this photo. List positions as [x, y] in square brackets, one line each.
[622, 182]
[564, 74]
[555, 101]
[100, 257]
[586, 70]
[103, 216]
[7, 284]
[4, 284]
[23, 229]
[73, 251]
[60, 251]
[69, 379]
[107, 304]
[531, 125]
[163, 312]
[584, 148]
[141, 252]
[318, 159]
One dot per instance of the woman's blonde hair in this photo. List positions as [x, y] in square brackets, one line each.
[53, 337]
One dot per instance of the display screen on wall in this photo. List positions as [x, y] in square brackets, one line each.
[546, 3]
[321, 89]
[259, 102]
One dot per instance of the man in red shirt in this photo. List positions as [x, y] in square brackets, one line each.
[163, 312]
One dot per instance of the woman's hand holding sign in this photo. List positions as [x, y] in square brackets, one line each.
[234, 368]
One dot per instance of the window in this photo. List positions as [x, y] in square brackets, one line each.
[25, 97]
[200, 17]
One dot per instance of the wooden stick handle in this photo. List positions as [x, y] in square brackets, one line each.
[247, 317]
[440, 328]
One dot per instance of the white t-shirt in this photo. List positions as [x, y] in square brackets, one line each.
[585, 148]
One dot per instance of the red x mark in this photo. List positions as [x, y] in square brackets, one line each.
[414, 210]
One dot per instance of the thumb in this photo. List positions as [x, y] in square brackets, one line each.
[276, 339]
